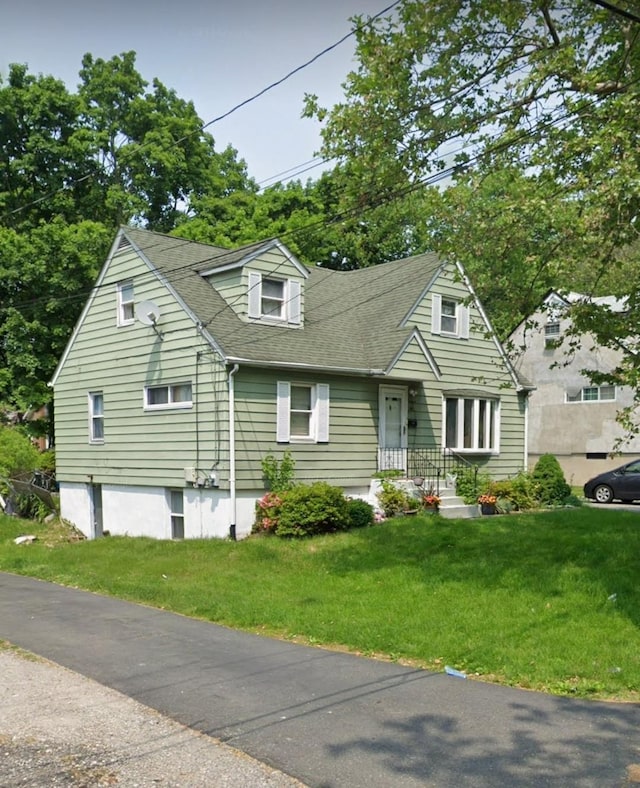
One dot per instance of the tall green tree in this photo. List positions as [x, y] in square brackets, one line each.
[312, 220]
[531, 107]
[73, 166]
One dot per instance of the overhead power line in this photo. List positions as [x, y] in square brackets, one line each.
[616, 10]
[357, 211]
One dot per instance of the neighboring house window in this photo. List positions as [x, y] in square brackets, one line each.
[176, 503]
[592, 394]
[274, 299]
[471, 424]
[96, 417]
[449, 317]
[125, 303]
[302, 412]
[551, 334]
[175, 395]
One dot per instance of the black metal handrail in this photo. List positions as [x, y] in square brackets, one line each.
[432, 465]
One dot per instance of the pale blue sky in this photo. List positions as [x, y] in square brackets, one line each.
[214, 52]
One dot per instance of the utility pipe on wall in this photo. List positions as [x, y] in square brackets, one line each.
[232, 449]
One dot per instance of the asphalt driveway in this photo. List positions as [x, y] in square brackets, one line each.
[327, 718]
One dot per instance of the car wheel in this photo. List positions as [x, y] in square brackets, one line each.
[603, 493]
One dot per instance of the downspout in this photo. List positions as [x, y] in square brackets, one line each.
[525, 464]
[232, 450]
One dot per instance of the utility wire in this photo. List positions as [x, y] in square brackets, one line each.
[219, 259]
[615, 10]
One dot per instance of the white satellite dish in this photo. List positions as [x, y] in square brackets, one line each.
[147, 313]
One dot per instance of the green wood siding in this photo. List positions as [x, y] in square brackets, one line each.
[349, 458]
[140, 447]
[465, 364]
[232, 286]
[153, 448]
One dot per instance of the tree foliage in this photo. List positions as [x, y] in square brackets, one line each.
[73, 166]
[530, 107]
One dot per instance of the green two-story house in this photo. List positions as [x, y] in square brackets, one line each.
[190, 363]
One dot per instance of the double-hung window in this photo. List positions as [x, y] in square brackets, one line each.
[173, 395]
[274, 299]
[449, 317]
[302, 412]
[125, 303]
[552, 334]
[96, 417]
[471, 424]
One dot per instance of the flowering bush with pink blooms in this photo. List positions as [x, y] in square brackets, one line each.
[268, 512]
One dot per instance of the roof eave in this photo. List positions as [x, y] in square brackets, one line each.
[298, 365]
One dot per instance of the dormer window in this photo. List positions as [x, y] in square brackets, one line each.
[274, 300]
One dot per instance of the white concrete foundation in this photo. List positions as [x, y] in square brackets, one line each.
[146, 511]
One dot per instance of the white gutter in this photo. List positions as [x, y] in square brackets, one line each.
[232, 450]
[303, 366]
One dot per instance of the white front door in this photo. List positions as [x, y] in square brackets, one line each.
[392, 437]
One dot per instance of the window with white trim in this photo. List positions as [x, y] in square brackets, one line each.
[176, 506]
[449, 317]
[172, 395]
[552, 334]
[274, 299]
[592, 394]
[272, 302]
[125, 303]
[96, 417]
[302, 412]
[471, 424]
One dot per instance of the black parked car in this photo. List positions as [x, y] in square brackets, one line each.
[623, 484]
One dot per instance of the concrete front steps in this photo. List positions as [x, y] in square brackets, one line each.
[452, 507]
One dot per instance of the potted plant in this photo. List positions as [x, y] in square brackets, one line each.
[487, 503]
[431, 502]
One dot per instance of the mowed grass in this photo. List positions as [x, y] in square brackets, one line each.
[548, 601]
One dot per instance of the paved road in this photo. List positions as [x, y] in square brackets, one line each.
[327, 718]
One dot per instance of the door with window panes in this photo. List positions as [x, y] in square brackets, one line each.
[392, 438]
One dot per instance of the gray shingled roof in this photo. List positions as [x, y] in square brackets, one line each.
[352, 318]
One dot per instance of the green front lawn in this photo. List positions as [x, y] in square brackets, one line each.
[549, 601]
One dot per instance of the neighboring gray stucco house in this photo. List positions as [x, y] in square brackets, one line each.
[190, 363]
[568, 415]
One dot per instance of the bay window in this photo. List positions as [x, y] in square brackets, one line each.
[471, 424]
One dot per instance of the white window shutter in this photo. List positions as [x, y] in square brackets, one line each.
[293, 308]
[283, 410]
[436, 312]
[463, 321]
[322, 413]
[255, 294]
